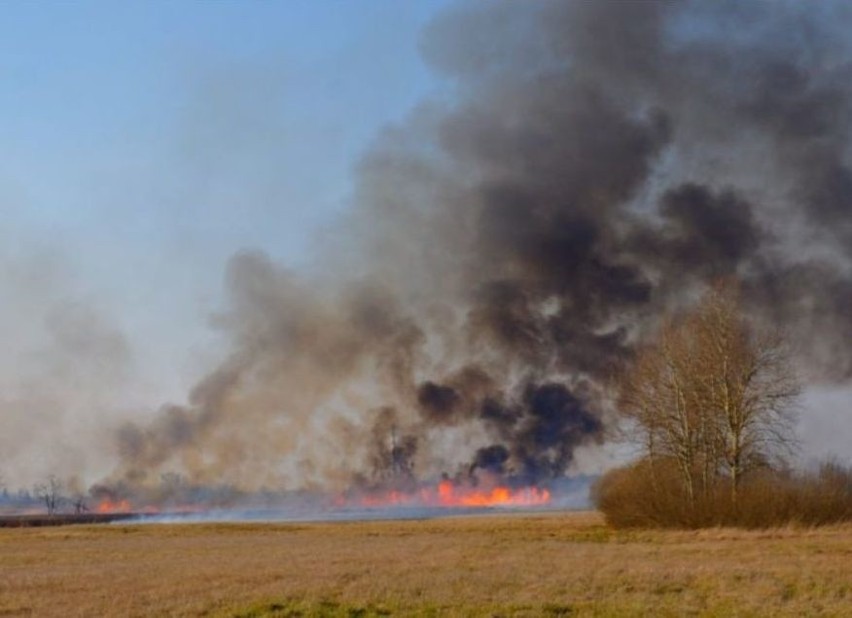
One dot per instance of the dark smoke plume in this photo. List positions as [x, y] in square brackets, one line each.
[600, 162]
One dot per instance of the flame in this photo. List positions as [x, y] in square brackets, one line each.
[113, 506]
[448, 494]
[452, 495]
[445, 494]
[124, 506]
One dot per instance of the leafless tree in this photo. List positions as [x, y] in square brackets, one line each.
[713, 394]
[748, 386]
[658, 394]
[78, 503]
[50, 493]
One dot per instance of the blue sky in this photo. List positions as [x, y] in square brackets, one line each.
[143, 143]
[101, 97]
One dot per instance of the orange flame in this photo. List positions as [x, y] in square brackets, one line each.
[113, 506]
[448, 494]
[124, 506]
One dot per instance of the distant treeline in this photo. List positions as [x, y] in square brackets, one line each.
[19, 500]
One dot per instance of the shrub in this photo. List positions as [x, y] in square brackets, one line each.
[647, 494]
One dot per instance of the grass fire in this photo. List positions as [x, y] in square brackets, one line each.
[433, 308]
[449, 495]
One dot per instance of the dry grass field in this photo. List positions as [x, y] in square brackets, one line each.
[548, 565]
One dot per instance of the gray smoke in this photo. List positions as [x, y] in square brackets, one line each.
[66, 366]
[599, 162]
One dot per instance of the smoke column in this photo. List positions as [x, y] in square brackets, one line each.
[599, 163]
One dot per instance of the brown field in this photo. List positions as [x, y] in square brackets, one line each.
[548, 565]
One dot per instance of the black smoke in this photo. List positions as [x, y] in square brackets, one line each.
[598, 163]
[438, 403]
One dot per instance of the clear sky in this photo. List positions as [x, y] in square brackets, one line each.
[145, 142]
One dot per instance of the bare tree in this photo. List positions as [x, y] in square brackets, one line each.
[78, 503]
[658, 393]
[711, 394]
[747, 383]
[50, 493]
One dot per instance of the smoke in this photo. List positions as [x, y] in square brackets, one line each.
[598, 163]
[65, 367]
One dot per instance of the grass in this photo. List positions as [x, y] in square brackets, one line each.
[549, 565]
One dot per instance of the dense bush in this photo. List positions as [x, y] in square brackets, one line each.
[647, 494]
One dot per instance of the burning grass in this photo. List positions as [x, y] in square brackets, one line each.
[523, 565]
[452, 495]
